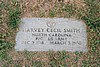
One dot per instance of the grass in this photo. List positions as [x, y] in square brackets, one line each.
[59, 60]
[4, 46]
[10, 14]
[52, 13]
[92, 18]
[14, 15]
[6, 12]
[14, 18]
[69, 9]
[36, 64]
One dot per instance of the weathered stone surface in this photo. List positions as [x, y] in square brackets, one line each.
[44, 34]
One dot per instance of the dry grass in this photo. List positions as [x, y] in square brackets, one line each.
[43, 8]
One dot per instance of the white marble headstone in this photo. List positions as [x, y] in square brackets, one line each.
[57, 34]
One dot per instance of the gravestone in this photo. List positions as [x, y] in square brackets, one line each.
[57, 34]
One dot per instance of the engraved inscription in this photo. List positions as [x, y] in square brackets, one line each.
[44, 34]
